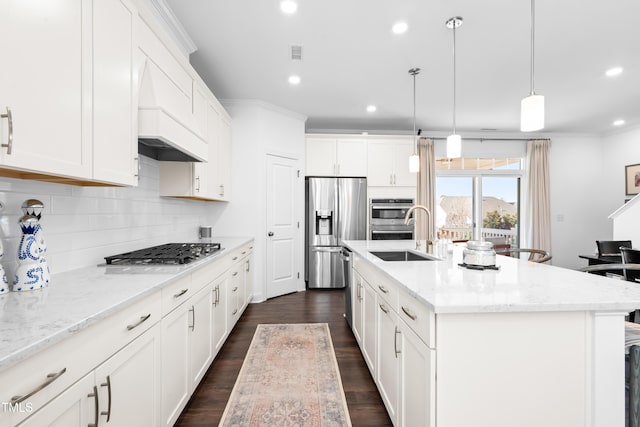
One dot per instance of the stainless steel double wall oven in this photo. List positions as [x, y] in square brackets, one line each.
[386, 219]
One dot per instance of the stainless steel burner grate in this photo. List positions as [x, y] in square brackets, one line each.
[169, 253]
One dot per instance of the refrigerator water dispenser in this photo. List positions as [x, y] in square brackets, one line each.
[324, 222]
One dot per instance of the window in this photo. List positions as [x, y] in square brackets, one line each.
[479, 198]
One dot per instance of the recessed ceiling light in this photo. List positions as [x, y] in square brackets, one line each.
[288, 6]
[400, 27]
[619, 122]
[371, 108]
[294, 80]
[613, 71]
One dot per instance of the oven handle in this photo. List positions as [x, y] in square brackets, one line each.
[391, 206]
[392, 231]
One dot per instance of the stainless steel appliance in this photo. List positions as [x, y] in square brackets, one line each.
[386, 219]
[336, 210]
[346, 264]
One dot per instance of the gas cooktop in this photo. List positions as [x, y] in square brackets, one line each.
[167, 254]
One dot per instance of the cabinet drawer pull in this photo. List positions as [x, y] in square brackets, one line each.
[50, 378]
[383, 289]
[395, 343]
[182, 292]
[140, 322]
[408, 313]
[108, 386]
[244, 252]
[96, 416]
[193, 318]
[9, 118]
[234, 289]
[235, 258]
[235, 273]
[383, 308]
[235, 311]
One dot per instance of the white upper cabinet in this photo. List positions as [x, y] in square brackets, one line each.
[67, 89]
[327, 156]
[115, 89]
[45, 67]
[203, 180]
[388, 163]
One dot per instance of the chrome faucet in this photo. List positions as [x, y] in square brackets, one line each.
[407, 220]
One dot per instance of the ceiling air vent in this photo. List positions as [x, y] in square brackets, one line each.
[295, 52]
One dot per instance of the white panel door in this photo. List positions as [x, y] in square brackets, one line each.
[282, 226]
[46, 65]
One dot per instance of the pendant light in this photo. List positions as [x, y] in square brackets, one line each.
[532, 107]
[414, 159]
[454, 141]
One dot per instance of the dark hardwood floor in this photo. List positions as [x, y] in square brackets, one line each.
[315, 306]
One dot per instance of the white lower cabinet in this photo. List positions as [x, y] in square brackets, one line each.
[387, 351]
[386, 324]
[186, 352]
[75, 407]
[357, 302]
[129, 385]
[417, 380]
[219, 304]
[122, 391]
[369, 327]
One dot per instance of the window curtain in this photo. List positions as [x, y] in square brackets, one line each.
[426, 189]
[538, 228]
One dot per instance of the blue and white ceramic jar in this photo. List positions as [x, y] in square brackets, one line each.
[28, 275]
[4, 284]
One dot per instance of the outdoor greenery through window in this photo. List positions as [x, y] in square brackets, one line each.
[479, 194]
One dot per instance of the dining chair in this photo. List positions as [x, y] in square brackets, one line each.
[611, 247]
[631, 256]
[535, 255]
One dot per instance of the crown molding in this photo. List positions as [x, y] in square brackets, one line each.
[172, 25]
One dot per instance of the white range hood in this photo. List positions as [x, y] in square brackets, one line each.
[166, 127]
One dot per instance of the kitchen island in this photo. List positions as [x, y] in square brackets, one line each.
[528, 344]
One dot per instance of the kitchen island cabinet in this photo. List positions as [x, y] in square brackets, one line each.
[105, 336]
[500, 348]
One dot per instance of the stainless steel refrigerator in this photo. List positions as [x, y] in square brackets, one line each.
[336, 210]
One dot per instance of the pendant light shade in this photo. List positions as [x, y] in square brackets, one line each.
[532, 113]
[414, 163]
[414, 159]
[454, 141]
[532, 107]
[454, 146]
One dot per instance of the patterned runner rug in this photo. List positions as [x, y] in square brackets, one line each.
[290, 378]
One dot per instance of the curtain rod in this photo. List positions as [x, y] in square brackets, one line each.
[488, 139]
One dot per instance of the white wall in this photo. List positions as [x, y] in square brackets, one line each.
[82, 225]
[578, 216]
[618, 150]
[259, 129]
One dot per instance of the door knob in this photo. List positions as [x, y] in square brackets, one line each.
[270, 234]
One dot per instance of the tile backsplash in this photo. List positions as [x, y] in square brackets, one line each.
[82, 225]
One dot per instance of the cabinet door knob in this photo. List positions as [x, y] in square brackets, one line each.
[270, 234]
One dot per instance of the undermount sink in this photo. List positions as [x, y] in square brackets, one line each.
[401, 256]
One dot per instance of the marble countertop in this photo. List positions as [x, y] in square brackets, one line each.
[518, 286]
[35, 320]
